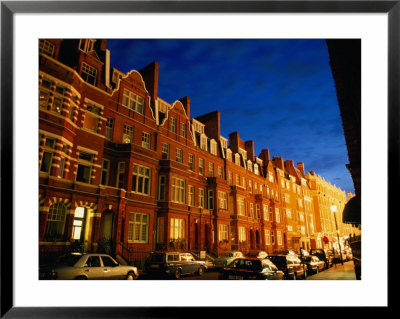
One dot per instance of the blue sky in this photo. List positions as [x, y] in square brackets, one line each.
[278, 93]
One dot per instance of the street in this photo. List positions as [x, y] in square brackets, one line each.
[336, 272]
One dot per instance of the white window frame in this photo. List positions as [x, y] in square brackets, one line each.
[133, 101]
[127, 136]
[178, 190]
[179, 155]
[141, 176]
[146, 140]
[138, 229]
[223, 232]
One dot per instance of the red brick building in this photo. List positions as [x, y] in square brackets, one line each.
[125, 172]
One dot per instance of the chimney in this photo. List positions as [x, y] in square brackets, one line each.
[289, 164]
[186, 104]
[278, 161]
[150, 77]
[264, 155]
[234, 142]
[300, 166]
[249, 145]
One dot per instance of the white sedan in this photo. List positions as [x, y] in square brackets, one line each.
[87, 266]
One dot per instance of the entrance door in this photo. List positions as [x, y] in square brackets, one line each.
[106, 229]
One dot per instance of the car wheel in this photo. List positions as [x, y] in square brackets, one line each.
[130, 276]
[177, 274]
[81, 278]
[200, 272]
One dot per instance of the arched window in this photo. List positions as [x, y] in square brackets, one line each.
[56, 221]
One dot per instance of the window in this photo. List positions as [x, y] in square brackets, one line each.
[201, 197]
[179, 155]
[109, 128]
[241, 206]
[177, 228]
[279, 237]
[222, 200]
[92, 118]
[258, 211]
[289, 227]
[238, 180]
[121, 175]
[267, 237]
[229, 155]
[165, 151]
[201, 166]
[250, 187]
[203, 143]
[146, 140]
[78, 224]
[183, 130]
[213, 147]
[271, 177]
[161, 187]
[242, 234]
[191, 162]
[265, 210]
[178, 190]
[220, 172]
[277, 215]
[252, 210]
[45, 47]
[133, 101]
[84, 171]
[210, 199]
[86, 45]
[44, 99]
[256, 169]
[173, 125]
[88, 73]
[61, 166]
[57, 104]
[47, 159]
[230, 178]
[104, 171]
[211, 169]
[288, 213]
[108, 262]
[55, 221]
[301, 217]
[237, 159]
[272, 238]
[271, 217]
[141, 179]
[138, 228]
[191, 195]
[303, 230]
[127, 136]
[223, 232]
[311, 224]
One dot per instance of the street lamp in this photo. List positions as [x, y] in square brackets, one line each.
[333, 210]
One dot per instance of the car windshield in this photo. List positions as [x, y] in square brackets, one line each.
[68, 260]
[229, 254]
[157, 258]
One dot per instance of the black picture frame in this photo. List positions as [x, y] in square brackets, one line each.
[9, 8]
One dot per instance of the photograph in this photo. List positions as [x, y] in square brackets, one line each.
[199, 159]
[202, 150]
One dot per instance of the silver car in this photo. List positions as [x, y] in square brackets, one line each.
[87, 266]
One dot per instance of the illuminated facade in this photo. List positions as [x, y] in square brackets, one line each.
[125, 172]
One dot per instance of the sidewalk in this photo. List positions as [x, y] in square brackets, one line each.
[336, 272]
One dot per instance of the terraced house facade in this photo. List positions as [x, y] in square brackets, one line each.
[125, 172]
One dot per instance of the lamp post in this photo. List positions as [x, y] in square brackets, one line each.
[333, 210]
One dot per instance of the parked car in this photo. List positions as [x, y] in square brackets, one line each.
[349, 254]
[227, 258]
[172, 264]
[257, 254]
[323, 255]
[290, 264]
[87, 266]
[314, 264]
[251, 268]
